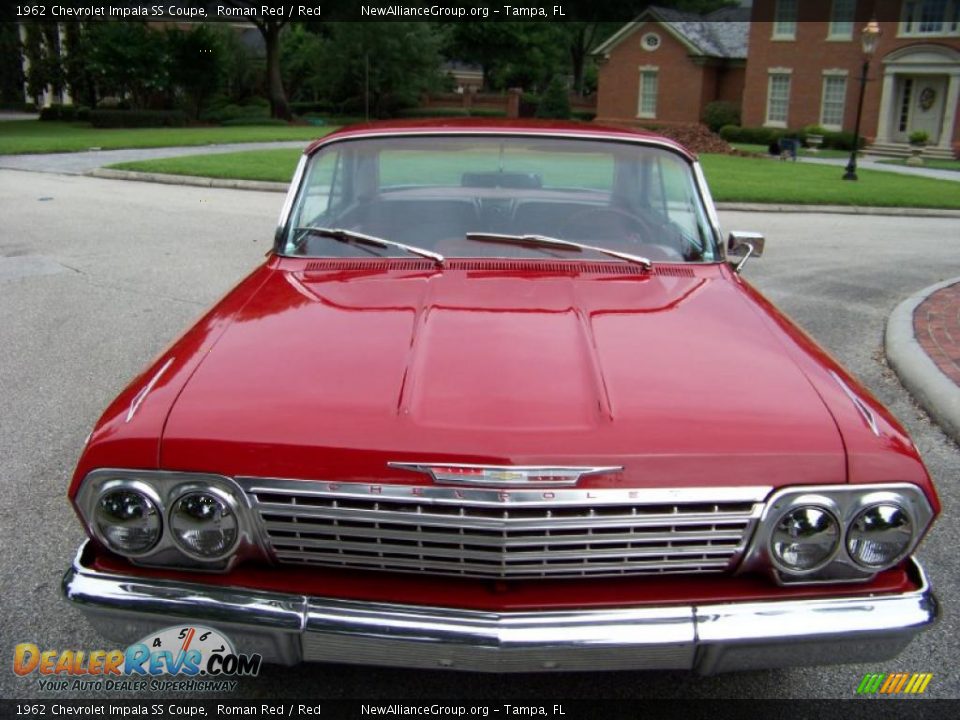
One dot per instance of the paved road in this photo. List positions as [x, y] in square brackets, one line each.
[99, 275]
[80, 163]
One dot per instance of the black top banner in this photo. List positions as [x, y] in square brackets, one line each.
[436, 10]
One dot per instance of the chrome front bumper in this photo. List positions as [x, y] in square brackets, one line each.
[288, 628]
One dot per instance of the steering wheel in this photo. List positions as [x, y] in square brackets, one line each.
[590, 223]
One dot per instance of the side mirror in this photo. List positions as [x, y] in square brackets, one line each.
[747, 244]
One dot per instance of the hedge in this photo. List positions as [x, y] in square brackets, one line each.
[137, 118]
[67, 113]
[842, 140]
[234, 122]
[442, 112]
[225, 113]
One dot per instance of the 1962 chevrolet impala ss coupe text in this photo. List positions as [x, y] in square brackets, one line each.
[499, 401]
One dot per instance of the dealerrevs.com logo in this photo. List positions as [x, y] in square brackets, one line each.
[178, 658]
[894, 683]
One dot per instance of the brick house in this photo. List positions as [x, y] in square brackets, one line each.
[803, 68]
[805, 61]
[667, 65]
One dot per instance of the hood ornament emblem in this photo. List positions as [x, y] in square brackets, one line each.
[504, 475]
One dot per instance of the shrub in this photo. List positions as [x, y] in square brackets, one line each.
[842, 140]
[719, 114]
[234, 112]
[583, 115]
[67, 113]
[137, 118]
[555, 102]
[919, 137]
[442, 112]
[311, 108]
[234, 122]
[750, 136]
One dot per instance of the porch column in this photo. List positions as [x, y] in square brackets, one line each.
[950, 111]
[887, 98]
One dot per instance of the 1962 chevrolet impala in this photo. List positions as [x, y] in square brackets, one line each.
[500, 401]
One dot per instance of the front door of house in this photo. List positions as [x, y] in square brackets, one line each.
[920, 106]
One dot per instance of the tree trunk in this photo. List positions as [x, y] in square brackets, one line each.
[278, 98]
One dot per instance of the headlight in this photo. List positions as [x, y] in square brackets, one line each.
[879, 536]
[805, 538]
[203, 524]
[128, 521]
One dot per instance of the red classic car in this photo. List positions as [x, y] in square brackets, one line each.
[499, 400]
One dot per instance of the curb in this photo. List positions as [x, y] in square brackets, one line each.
[938, 395]
[189, 180]
[840, 209]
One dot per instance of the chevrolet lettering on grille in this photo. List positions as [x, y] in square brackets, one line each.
[504, 475]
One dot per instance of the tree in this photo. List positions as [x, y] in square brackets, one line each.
[242, 73]
[301, 62]
[555, 102]
[196, 64]
[128, 60]
[36, 73]
[270, 29]
[382, 67]
[76, 65]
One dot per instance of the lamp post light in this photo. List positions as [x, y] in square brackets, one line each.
[869, 39]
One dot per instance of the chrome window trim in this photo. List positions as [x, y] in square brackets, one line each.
[659, 143]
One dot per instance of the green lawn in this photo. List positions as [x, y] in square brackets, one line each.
[736, 179]
[34, 136]
[804, 152]
[933, 163]
[270, 165]
[732, 179]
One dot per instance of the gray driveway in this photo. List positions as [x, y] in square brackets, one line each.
[101, 275]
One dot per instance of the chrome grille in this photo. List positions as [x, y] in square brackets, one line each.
[503, 535]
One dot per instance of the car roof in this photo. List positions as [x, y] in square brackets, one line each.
[480, 126]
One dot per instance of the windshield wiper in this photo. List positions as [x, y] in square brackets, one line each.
[548, 241]
[348, 236]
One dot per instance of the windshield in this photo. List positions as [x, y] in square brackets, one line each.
[431, 192]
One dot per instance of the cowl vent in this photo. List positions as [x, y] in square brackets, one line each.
[496, 265]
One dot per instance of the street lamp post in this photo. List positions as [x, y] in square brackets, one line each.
[869, 38]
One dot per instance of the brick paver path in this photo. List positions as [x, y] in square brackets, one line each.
[936, 323]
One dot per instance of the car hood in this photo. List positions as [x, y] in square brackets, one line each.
[330, 370]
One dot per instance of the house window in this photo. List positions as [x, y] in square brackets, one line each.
[841, 19]
[930, 17]
[834, 101]
[649, 83]
[785, 20]
[650, 41]
[778, 99]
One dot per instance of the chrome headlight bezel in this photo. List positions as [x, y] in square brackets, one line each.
[830, 514]
[225, 499]
[846, 503]
[135, 487]
[164, 488]
[848, 540]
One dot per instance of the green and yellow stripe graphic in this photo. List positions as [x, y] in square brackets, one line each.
[894, 683]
